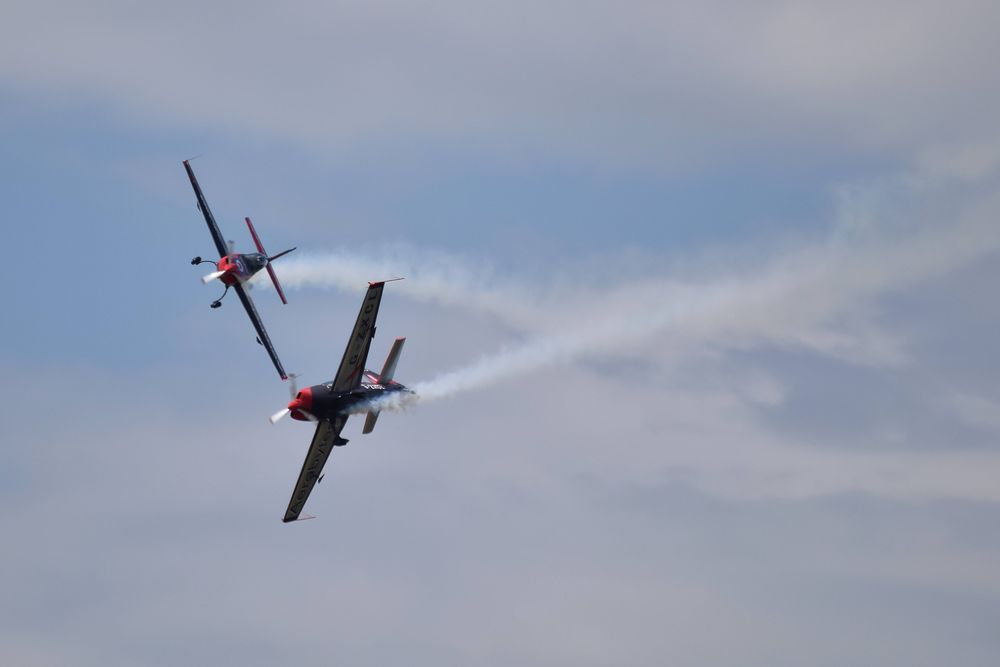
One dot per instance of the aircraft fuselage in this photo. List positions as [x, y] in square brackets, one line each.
[240, 267]
[320, 401]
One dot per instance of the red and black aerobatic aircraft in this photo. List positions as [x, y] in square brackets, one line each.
[354, 390]
[233, 269]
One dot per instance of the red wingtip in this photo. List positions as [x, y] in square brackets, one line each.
[256, 240]
[383, 282]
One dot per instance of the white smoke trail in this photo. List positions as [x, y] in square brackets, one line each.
[434, 277]
[787, 301]
[396, 401]
[796, 298]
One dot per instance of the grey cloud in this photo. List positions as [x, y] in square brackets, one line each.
[444, 545]
[671, 84]
[574, 516]
[678, 497]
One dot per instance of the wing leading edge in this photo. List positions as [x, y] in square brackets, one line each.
[259, 326]
[352, 365]
[327, 437]
[213, 228]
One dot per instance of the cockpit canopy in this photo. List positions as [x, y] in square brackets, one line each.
[255, 261]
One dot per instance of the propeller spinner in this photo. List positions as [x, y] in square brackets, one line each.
[295, 404]
[212, 276]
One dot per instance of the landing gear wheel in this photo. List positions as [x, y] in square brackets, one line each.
[196, 261]
[218, 302]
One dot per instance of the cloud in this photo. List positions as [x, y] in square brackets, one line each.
[788, 443]
[434, 535]
[977, 411]
[663, 84]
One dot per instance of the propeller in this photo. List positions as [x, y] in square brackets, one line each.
[293, 389]
[212, 276]
[232, 246]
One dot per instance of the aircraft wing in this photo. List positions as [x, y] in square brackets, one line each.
[213, 229]
[259, 326]
[325, 439]
[352, 365]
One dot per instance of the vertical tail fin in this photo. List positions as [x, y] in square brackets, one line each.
[270, 271]
[389, 369]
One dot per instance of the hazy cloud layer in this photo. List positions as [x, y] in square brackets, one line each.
[710, 291]
[669, 83]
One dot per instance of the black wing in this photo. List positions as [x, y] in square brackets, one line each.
[259, 326]
[213, 229]
[352, 365]
[327, 436]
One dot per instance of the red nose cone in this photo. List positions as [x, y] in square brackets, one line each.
[302, 401]
[230, 277]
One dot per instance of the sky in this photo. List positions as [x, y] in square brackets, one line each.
[699, 300]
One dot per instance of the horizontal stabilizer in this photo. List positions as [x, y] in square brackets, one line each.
[389, 369]
[270, 271]
[277, 285]
[370, 421]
